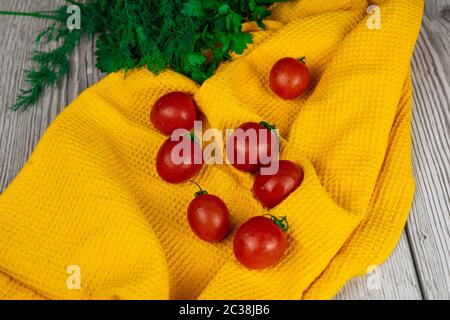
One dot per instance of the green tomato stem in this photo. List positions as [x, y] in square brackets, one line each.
[267, 125]
[281, 222]
[191, 136]
[201, 192]
[272, 128]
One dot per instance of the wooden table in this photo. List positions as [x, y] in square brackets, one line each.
[419, 268]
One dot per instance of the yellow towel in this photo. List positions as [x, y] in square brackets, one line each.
[89, 204]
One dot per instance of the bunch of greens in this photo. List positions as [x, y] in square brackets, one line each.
[190, 36]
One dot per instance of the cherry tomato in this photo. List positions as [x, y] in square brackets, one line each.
[175, 110]
[289, 78]
[272, 190]
[208, 217]
[247, 154]
[261, 242]
[177, 166]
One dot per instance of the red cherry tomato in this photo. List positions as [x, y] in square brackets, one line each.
[289, 78]
[272, 190]
[208, 217]
[175, 110]
[177, 166]
[261, 242]
[247, 157]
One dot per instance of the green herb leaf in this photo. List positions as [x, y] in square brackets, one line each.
[155, 34]
[193, 8]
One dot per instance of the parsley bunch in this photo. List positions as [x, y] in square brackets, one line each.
[190, 36]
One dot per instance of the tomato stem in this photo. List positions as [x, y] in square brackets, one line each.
[268, 125]
[201, 192]
[281, 222]
[272, 128]
[302, 60]
[191, 136]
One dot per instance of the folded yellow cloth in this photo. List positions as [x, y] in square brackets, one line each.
[90, 197]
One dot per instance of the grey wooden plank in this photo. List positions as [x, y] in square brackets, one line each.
[21, 131]
[429, 224]
[437, 9]
[396, 279]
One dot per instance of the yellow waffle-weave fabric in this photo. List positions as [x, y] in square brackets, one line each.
[89, 195]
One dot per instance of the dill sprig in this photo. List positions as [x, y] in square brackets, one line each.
[190, 36]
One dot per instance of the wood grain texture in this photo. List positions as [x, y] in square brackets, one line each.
[429, 223]
[420, 265]
[396, 279]
[21, 131]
